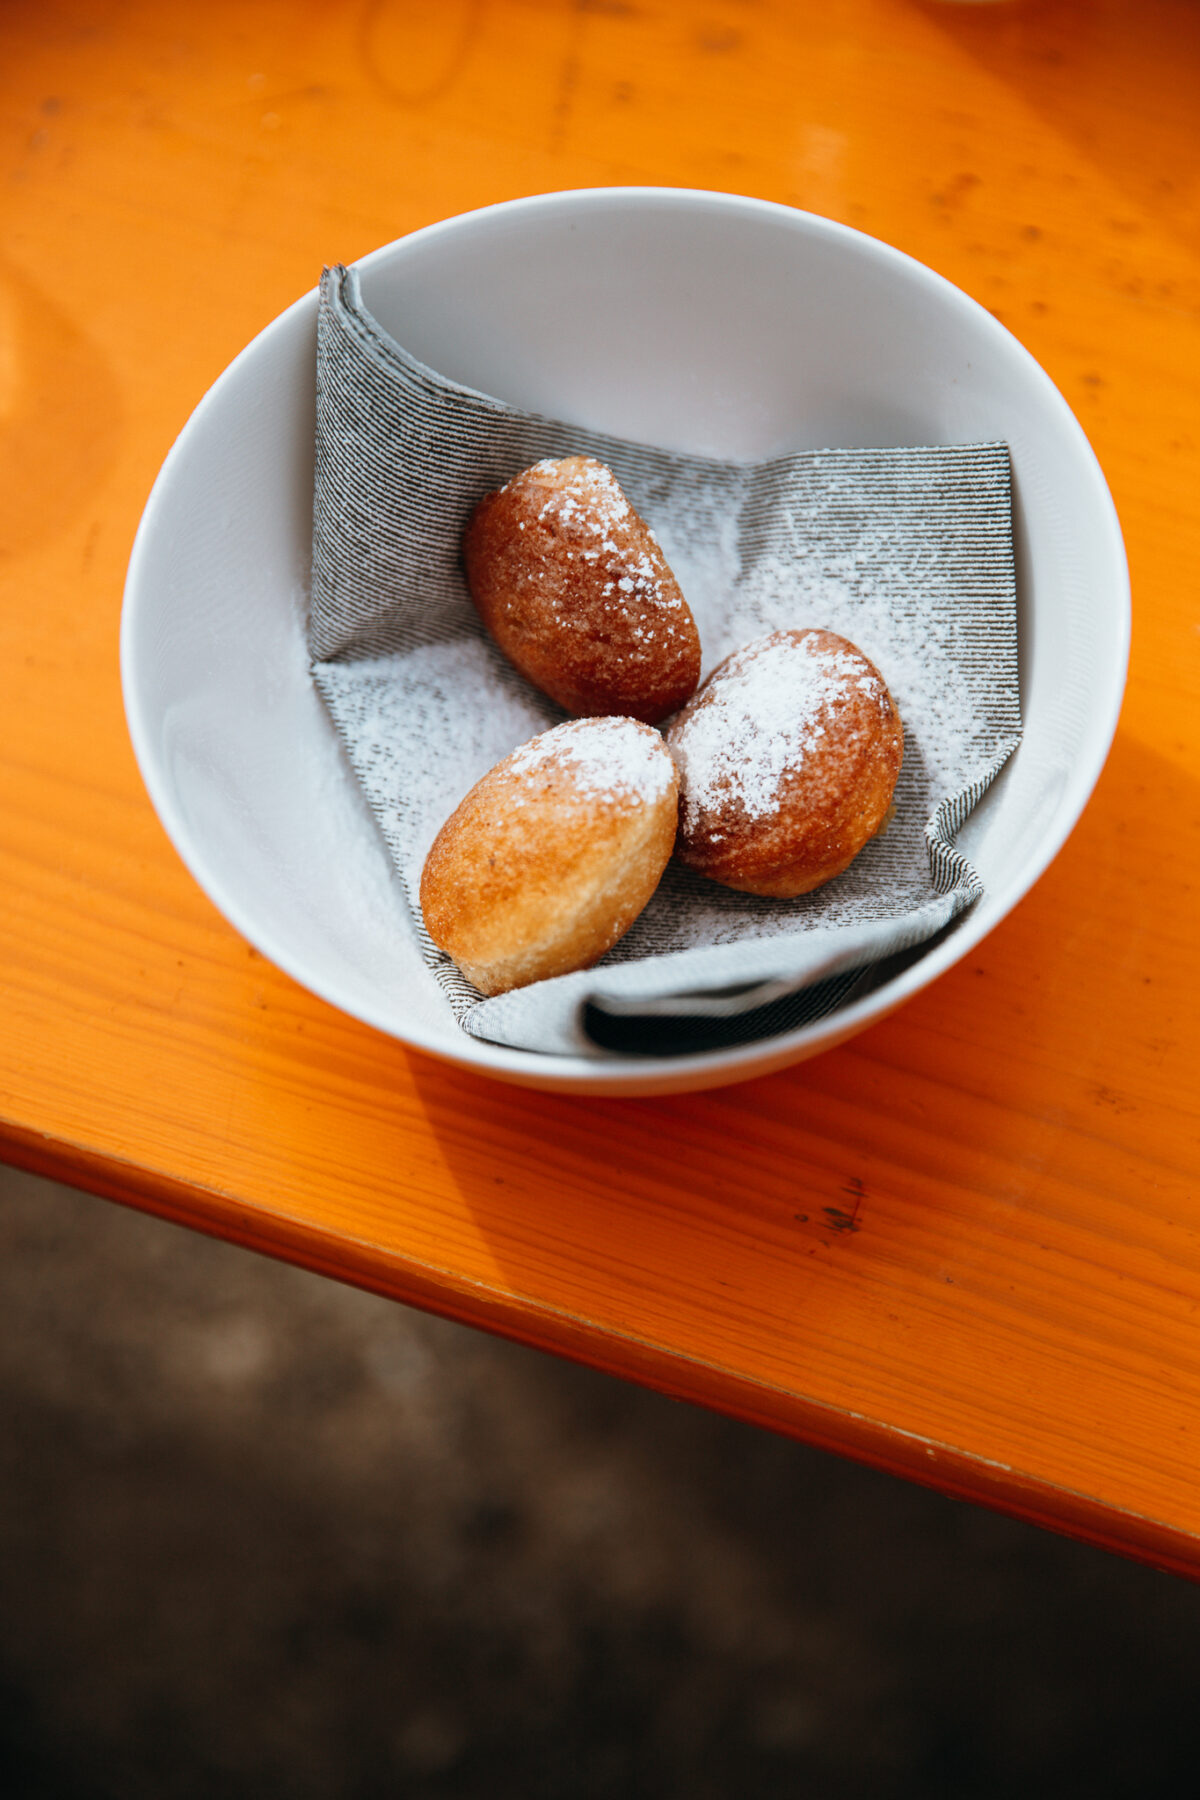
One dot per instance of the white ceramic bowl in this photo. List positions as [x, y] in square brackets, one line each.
[698, 321]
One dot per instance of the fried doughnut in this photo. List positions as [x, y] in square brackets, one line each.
[788, 758]
[553, 854]
[572, 585]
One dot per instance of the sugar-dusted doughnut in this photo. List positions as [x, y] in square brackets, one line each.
[575, 590]
[553, 854]
[788, 758]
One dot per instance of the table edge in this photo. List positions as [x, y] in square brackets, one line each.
[946, 1468]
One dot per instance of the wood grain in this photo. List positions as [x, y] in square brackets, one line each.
[965, 1247]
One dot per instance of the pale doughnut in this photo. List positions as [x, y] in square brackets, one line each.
[553, 854]
[575, 590]
[788, 758]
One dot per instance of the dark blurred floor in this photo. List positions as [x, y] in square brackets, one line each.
[265, 1536]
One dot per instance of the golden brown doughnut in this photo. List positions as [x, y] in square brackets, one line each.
[575, 590]
[553, 854]
[788, 758]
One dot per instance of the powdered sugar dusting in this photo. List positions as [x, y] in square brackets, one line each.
[584, 498]
[586, 493]
[615, 760]
[767, 711]
[883, 586]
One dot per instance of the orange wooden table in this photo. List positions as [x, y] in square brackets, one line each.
[967, 1246]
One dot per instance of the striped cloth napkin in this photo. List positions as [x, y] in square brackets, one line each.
[907, 552]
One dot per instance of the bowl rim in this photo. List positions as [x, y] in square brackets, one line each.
[628, 1074]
